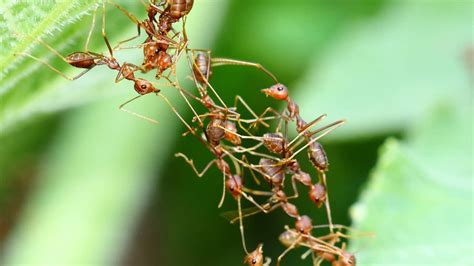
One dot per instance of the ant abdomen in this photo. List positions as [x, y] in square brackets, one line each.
[275, 142]
[201, 67]
[318, 157]
[179, 8]
[81, 60]
[274, 174]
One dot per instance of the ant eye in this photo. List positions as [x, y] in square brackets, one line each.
[280, 88]
[254, 261]
[143, 86]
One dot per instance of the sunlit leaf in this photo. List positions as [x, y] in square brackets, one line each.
[419, 198]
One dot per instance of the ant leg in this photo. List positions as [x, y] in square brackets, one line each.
[128, 14]
[260, 139]
[226, 61]
[180, 89]
[251, 166]
[263, 155]
[257, 192]
[251, 200]
[119, 44]
[191, 130]
[304, 130]
[185, 34]
[306, 254]
[310, 124]
[240, 149]
[241, 225]
[86, 46]
[177, 56]
[238, 99]
[120, 74]
[233, 216]
[262, 117]
[292, 246]
[316, 260]
[268, 261]
[244, 158]
[331, 128]
[295, 189]
[103, 30]
[53, 68]
[121, 107]
[144, 5]
[182, 92]
[223, 192]
[326, 204]
[191, 163]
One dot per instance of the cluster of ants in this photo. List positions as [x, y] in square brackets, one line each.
[223, 131]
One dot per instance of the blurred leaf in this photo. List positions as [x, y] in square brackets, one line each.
[99, 174]
[419, 198]
[386, 70]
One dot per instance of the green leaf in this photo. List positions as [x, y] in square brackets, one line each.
[100, 170]
[419, 198]
[28, 88]
[385, 71]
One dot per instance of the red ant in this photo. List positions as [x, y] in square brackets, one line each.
[316, 152]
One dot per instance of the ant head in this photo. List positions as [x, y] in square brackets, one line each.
[318, 194]
[234, 185]
[255, 258]
[143, 86]
[303, 225]
[82, 60]
[277, 91]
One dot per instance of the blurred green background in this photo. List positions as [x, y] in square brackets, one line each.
[82, 183]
